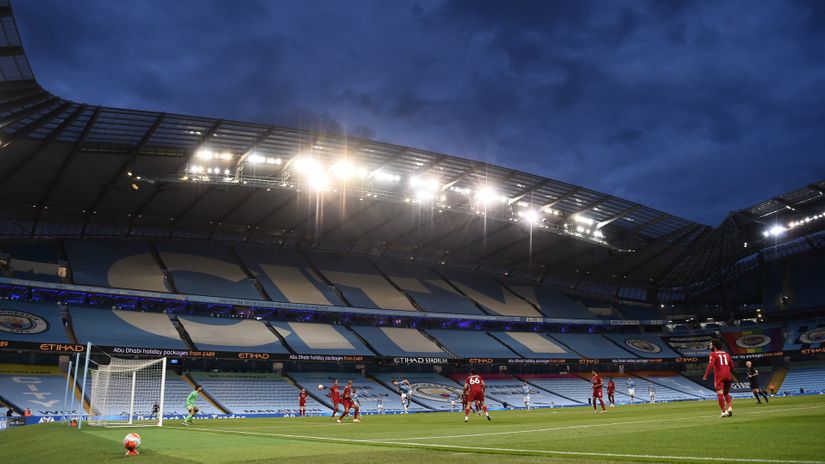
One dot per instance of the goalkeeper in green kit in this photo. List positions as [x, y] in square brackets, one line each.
[190, 405]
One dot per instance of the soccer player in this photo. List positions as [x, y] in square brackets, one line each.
[719, 361]
[405, 390]
[525, 390]
[190, 405]
[356, 404]
[631, 390]
[596, 379]
[453, 398]
[475, 388]
[155, 410]
[753, 378]
[302, 402]
[651, 393]
[380, 405]
[346, 402]
[611, 391]
[335, 397]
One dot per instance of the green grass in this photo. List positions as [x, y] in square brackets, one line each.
[787, 430]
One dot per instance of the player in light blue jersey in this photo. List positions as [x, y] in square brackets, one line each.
[453, 399]
[631, 390]
[525, 390]
[405, 389]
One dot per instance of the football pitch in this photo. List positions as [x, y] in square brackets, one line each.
[786, 431]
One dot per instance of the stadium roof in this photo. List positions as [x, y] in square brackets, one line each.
[79, 170]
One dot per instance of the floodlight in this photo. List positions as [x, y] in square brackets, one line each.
[530, 216]
[487, 195]
[204, 154]
[318, 181]
[306, 165]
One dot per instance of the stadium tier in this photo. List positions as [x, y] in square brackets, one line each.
[534, 345]
[216, 334]
[568, 390]
[471, 344]
[206, 270]
[39, 388]
[369, 391]
[491, 294]
[505, 390]
[638, 312]
[661, 384]
[680, 384]
[115, 264]
[550, 301]
[34, 261]
[591, 346]
[251, 394]
[31, 322]
[360, 282]
[397, 341]
[643, 346]
[808, 379]
[805, 334]
[106, 327]
[427, 288]
[286, 276]
[320, 339]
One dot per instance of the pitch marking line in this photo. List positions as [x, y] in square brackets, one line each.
[503, 450]
[587, 426]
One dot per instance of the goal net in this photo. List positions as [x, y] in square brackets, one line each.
[127, 392]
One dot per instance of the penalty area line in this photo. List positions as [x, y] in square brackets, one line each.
[476, 449]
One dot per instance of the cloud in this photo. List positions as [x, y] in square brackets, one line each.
[695, 108]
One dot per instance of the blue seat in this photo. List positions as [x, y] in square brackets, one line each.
[393, 341]
[217, 334]
[207, 270]
[106, 327]
[31, 322]
[116, 264]
[471, 344]
[591, 345]
[534, 345]
[320, 339]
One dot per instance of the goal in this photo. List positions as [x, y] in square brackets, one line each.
[127, 392]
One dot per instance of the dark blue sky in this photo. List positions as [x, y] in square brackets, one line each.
[695, 108]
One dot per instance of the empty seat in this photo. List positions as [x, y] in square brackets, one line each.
[534, 345]
[216, 334]
[320, 339]
[116, 264]
[206, 270]
[31, 322]
[551, 302]
[491, 295]
[107, 327]
[642, 345]
[591, 345]
[471, 344]
[369, 391]
[255, 394]
[396, 341]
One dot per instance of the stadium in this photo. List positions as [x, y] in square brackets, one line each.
[146, 256]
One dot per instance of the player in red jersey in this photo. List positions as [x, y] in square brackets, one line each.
[721, 365]
[302, 402]
[335, 397]
[611, 390]
[597, 390]
[346, 402]
[475, 388]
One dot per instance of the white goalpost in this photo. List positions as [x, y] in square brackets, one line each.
[127, 392]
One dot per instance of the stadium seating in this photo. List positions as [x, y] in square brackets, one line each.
[33, 261]
[643, 346]
[639, 312]
[591, 345]
[115, 264]
[286, 276]
[216, 334]
[206, 270]
[360, 282]
[491, 295]
[534, 345]
[502, 388]
[320, 339]
[31, 322]
[369, 391]
[106, 327]
[39, 388]
[568, 390]
[429, 389]
[255, 394]
[663, 392]
[428, 289]
[680, 384]
[471, 344]
[809, 378]
[797, 339]
[174, 402]
[550, 301]
[396, 341]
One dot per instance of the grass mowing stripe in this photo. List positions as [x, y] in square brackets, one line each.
[477, 449]
[587, 426]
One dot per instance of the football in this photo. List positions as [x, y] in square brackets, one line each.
[320, 387]
[131, 442]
